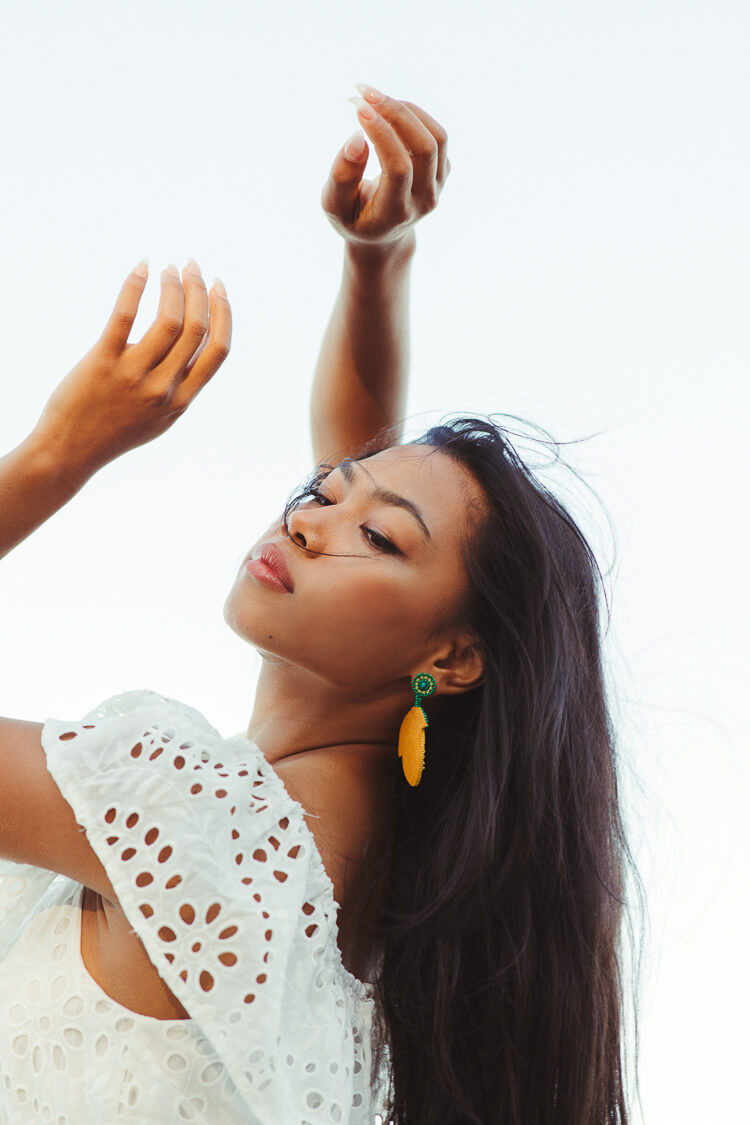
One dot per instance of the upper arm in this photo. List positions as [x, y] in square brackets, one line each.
[37, 825]
[345, 432]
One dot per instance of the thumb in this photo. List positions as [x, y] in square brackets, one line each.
[346, 175]
[355, 148]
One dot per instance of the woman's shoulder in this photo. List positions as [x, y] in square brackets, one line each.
[136, 700]
[218, 874]
[167, 803]
[140, 726]
[142, 744]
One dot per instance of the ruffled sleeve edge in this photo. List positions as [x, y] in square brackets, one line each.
[359, 989]
[130, 702]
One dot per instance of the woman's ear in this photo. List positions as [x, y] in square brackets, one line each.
[459, 666]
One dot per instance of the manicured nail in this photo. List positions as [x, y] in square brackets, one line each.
[364, 109]
[172, 269]
[354, 149]
[370, 93]
[142, 268]
[193, 267]
[218, 287]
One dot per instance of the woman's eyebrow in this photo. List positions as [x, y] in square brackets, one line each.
[384, 495]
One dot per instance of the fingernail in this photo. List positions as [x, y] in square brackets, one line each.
[365, 110]
[354, 149]
[218, 287]
[193, 267]
[172, 269]
[370, 93]
[142, 268]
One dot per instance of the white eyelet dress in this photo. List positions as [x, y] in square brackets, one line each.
[219, 876]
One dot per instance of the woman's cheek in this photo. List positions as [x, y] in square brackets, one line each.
[375, 606]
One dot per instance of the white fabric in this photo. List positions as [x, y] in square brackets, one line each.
[219, 876]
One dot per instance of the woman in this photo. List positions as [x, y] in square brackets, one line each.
[329, 918]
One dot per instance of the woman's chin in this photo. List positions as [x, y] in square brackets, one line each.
[233, 617]
[251, 627]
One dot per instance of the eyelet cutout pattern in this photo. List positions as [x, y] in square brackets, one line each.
[72, 1054]
[219, 876]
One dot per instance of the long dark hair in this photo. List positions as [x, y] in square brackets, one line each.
[500, 991]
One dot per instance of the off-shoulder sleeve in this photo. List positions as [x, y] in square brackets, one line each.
[218, 874]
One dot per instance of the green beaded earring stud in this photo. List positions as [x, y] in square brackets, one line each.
[411, 737]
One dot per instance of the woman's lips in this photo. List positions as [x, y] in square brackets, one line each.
[268, 565]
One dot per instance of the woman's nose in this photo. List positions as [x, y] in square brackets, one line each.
[304, 530]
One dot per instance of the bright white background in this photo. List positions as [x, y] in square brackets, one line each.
[587, 268]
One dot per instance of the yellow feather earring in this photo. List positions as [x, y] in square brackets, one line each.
[411, 737]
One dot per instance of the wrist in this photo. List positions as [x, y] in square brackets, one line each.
[376, 256]
[34, 485]
[48, 461]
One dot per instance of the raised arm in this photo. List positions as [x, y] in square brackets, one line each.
[362, 373]
[363, 368]
[119, 396]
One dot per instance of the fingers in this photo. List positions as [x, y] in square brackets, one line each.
[341, 189]
[118, 327]
[157, 341]
[395, 162]
[212, 352]
[189, 339]
[441, 138]
[422, 136]
[194, 323]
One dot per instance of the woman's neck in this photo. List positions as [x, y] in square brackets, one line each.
[296, 711]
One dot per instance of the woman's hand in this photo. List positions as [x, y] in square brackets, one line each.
[123, 395]
[411, 148]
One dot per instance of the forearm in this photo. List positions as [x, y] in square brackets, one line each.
[362, 372]
[33, 486]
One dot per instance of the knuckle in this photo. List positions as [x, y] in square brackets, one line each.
[427, 151]
[339, 177]
[400, 172]
[172, 324]
[132, 378]
[155, 396]
[217, 351]
[121, 320]
[196, 328]
[437, 130]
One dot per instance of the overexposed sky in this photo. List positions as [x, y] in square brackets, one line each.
[587, 268]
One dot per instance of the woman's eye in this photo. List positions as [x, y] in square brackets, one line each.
[380, 542]
[319, 496]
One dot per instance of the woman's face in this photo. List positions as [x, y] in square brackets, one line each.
[380, 599]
